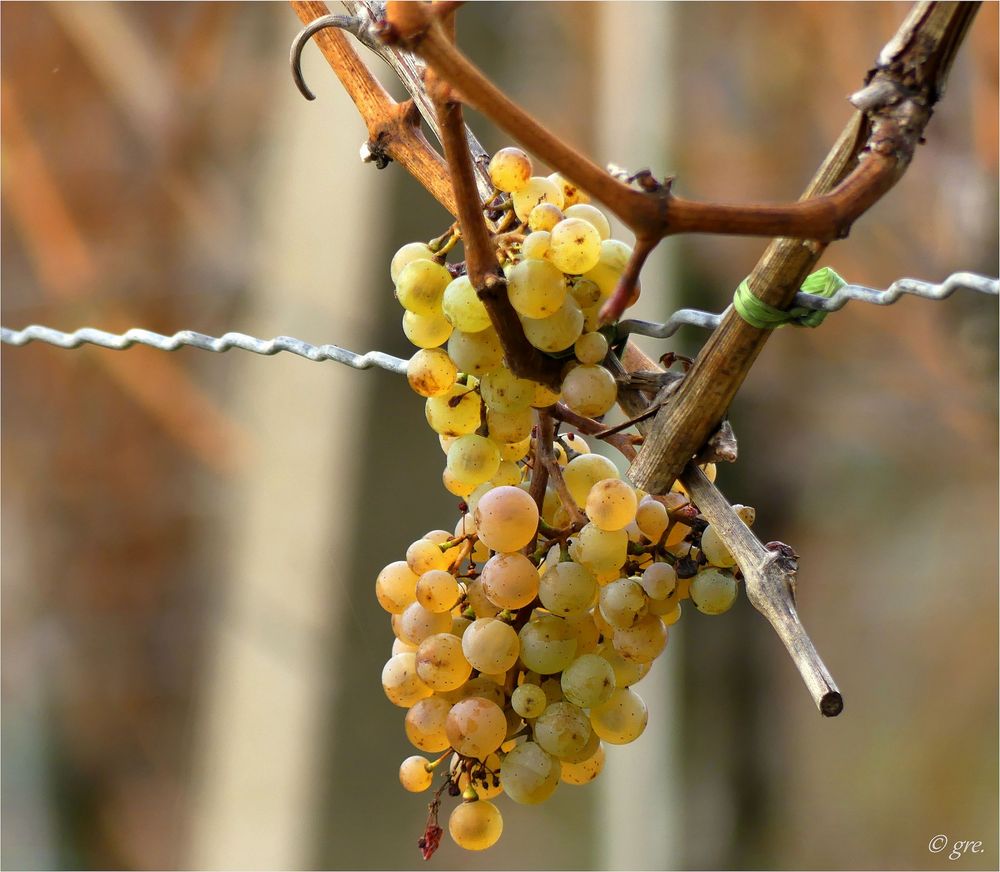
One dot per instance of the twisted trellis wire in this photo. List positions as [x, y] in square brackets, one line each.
[691, 317]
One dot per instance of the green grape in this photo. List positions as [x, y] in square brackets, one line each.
[544, 216]
[537, 190]
[591, 348]
[529, 774]
[610, 266]
[455, 413]
[591, 214]
[424, 724]
[502, 391]
[475, 825]
[548, 644]
[510, 580]
[588, 681]
[400, 681]
[491, 646]
[623, 602]
[575, 246]
[582, 473]
[473, 459]
[506, 519]
[441, 664]
[586, 770]
[463, 308]
[476, 353]
[562, 729]
[611, 504]
[558, 331]
[431, 372]
[601, 551]
[536, 288]
[627, 672]
[714, 549]
[713, 591]
[507, 427]
[416, 624]
[420, 287]
[652, 519]
[395, 587]
[476, 726]
[621, 719]
[643, 642]
[535, 245]
[407, 254]
[424, 555]
[528, 700]
[588, 295]
[438, 591]
[589, 390]
[414, 774]
[426, 331]
[510, 169]
[572, 193]
[567, 589]
[659, 581]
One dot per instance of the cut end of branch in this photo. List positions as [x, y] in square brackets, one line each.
[831, 704]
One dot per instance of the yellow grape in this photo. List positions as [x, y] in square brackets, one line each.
[510, 169]
[535, 245]
[572, 193]
[529, 774]
[574, 246]
[473, 459]
[431, 372]
[537, 190]
[455, 413]
[407, 254]
[424, 724]
[611, 504]
[414, 774]
[475, 825]
[589, 390]
[621, 719]
[395, 587]
[586, 770]
[421, 285]
[463, 308]
[544, 216]
[476, 353]
[426, 331]
[591, 214]
[536, 288]
[558, 331]
[506, 519]
[476, 726]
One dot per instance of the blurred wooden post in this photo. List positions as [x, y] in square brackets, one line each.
[263, 728]
[641, 783]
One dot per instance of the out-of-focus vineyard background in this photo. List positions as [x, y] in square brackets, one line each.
[191, 646]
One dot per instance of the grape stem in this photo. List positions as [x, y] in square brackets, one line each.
[546, 456]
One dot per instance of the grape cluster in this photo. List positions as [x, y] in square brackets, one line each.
[520, 634]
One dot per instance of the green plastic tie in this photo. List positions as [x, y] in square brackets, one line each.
[823, 283]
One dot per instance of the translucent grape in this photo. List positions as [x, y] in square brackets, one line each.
[669, 615]
[588, 681]
[714, 549]
[441, 664]
[562, 729]
[588, 636]
[544, 216]
[643, 642]
[589, 390]
[558, 331]
[567, 589]
[652, 519]
[516, 450]
[424, 555]
[507, 427]
[508, 473]
[548, 644]
[627, 672]
[407, 254]
[506, 518]
[416, 624]
[572, 193]
[420, 287]
[414, 774]
[431, 372]
[575, 442]
[490, 645]
[476, 825]
[529, 774]
[438, 591]
[601, 551]
[528, 700]
[463, 308]
[586, 770]
[623, 602]
[473, 459]
[535, 245]
[621, 719]
[582, 473]
[476, 353]
[400, 681]
[453, 486]
[502, 391]
[592, 215]
[426, 331]
[574, 246]
[455, 413]
[475, 726]
[424, 724]
[400, 647]
[536, 288]
[611, 504]
[537, 190]
[591, 348]
[588, 295]
[476, 598]
[659, 581]
[396, 587]
[510, 169]
[610, 265]
[510, 580]
[713, 591]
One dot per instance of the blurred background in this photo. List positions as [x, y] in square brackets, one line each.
[191, 646]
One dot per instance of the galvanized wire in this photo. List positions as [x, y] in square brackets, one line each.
[120, 342]
[691, 317]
